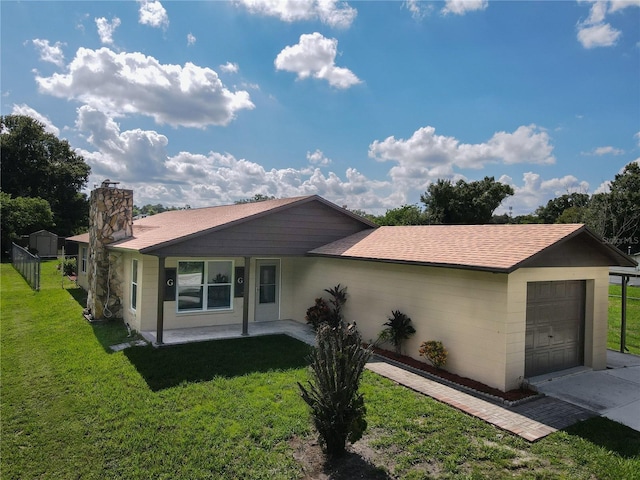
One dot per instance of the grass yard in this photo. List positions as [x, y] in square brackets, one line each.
[633, 318]
[71, 408]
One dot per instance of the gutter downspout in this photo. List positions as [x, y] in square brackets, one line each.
[160, 312]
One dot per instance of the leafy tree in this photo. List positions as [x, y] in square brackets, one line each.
[258, 197]
[337, 408]
[462, 202]
[36, 164]
[363, 214]
[616, 215]
[150, 209]
[554, 209]
[404, 215]
[21, 216]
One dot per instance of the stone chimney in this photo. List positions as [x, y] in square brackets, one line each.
[110, 220]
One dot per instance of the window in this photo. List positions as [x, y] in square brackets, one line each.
[83, 259]
[205, 285]
[134, 284]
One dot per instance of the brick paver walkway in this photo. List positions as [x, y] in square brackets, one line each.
[532, 420]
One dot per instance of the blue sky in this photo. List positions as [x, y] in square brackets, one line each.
[364, 103]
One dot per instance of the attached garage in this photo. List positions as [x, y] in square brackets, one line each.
[555, 326]
[509, 302]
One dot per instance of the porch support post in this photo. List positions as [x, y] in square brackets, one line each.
[623, 312]
[160, 312]
[245, 298]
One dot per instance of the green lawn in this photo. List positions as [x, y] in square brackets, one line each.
[70, 408]
[633, 318]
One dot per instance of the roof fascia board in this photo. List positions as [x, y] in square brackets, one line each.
[456, 266]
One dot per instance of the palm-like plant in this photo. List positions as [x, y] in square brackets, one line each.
[398, 329]
[337, 408]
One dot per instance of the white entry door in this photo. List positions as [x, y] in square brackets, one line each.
[268, 290]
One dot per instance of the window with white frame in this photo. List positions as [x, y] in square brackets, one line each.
[83, 259]
[134, 284]
[205, 285]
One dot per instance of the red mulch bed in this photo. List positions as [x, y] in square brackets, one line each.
[511, 395]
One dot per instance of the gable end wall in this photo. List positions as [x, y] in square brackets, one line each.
[293, 231]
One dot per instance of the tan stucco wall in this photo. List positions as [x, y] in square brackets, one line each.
[82, 278]
[463, 309]
[479, 316]
[596, 314]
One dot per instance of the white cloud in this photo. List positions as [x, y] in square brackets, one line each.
[30, 112]
[318, 158]
[608, 150]
[230, 67]
[637, 135]
[601, 35]
[595, 31]
[418, 8]
[138, 158]
[191, 39]
[128, 156]
[315, 56]
[535, 191]
[426, 157]
[152, 13]
[50, 53]
[460, 7]
[527, 144]
[106, 28]
[334, 13]
[133, 83]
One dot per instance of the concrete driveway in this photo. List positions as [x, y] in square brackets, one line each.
[613, 393]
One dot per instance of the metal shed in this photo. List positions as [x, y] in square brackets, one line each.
[44, 243]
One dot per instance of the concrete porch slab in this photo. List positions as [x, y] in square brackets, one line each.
[297, 330]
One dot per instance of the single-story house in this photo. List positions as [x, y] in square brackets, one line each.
[508, 301]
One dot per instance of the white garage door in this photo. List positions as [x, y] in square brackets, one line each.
[555, 326]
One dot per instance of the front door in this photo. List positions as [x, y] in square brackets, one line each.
[268, 290]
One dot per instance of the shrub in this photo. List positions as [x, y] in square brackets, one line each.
[328, 312]
[68, 266]
[337, 409]
[398, 329]
[435, 352]
[318, 314]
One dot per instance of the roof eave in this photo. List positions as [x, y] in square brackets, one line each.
[457, 266]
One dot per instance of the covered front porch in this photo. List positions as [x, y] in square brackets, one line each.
[297, 330]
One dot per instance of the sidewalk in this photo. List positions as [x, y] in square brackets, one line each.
[532, 420]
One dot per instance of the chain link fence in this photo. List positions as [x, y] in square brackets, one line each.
[27, 264]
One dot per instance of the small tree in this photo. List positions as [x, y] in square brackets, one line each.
[398, 329]
[337, 409]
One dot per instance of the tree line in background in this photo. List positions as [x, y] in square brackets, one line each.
[42, 179]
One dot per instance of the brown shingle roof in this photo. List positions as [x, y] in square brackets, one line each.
[485, 247]
[177, 225]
